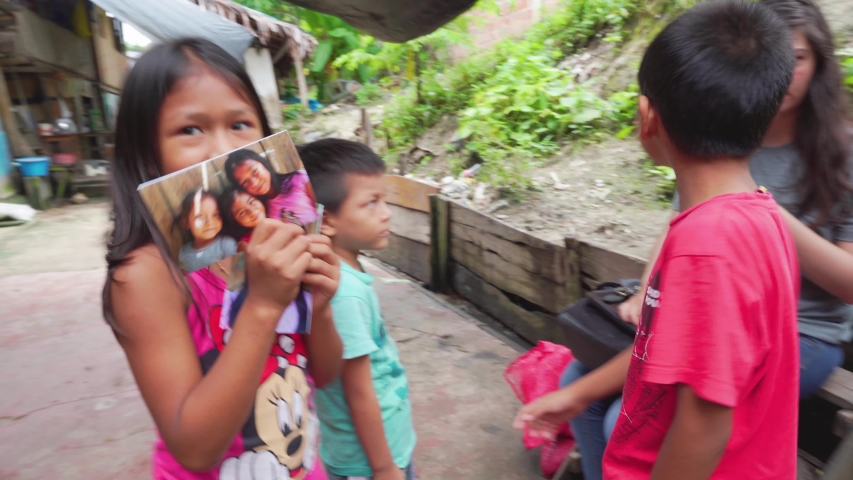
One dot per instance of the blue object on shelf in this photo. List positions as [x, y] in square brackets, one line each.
[33, 166]
[313, 104]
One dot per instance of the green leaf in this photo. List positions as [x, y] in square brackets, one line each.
[321, 56]
[464, 132]
[340, 33]
[586, 116]
[622, 134]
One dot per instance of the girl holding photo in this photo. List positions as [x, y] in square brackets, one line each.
[227, 405]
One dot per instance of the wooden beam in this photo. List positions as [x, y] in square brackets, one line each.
[531, 326]
[838, 389]
[409, 193]
[407, 256]
[17, 142]
[411, 224]
[300, 80]
[440, 244]
[366, 128]
[279, 54]
[840, 464]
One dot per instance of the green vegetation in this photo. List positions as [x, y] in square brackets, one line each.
[846, 58]
[514, 104]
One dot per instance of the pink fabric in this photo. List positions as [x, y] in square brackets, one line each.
[261, 449]
[296, 202]
[536, 373]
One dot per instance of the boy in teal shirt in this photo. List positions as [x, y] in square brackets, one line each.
[365, 416]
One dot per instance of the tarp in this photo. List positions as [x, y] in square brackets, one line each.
[391, 20]
[165, 20]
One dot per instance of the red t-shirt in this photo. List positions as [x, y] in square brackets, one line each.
[720, 316]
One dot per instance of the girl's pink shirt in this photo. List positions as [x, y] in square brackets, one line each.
[297, 202]
[262, 447]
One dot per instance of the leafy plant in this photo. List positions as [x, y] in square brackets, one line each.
[847, 68]
[664, 178]
[367, 94]
[513, 102]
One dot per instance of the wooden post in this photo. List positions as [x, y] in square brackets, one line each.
[439, 243]
[300, 77]
[840, 464]
[366, 128]
[17, 142]
[574, 282]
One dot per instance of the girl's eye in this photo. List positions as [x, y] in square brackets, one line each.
[240, 125]
[190, 131]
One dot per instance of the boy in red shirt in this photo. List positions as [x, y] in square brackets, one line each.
[712, 378]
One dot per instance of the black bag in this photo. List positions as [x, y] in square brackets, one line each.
[592, 327]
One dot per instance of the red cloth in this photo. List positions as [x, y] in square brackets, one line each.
[536, 373]
[532, 375]
[720, 316]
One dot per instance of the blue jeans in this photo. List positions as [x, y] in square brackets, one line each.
[593, 427]
[817, 361]
[408, 471]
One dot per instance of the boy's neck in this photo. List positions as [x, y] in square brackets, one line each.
[348, 257]
[782, 131]
[701, 180]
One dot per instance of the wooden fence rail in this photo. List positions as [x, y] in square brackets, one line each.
[519, 279]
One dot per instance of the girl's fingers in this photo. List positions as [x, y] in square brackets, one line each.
[319, 282]
[262, 232]
[294, 268]
[284, 235]
[323, 252]
[323, 268]
[320, 239]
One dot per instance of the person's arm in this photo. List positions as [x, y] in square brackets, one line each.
[696, 440]
[323, 343]
[544, 415]
[150, 312]
[367, 418]
[828, 265]
[630, 309]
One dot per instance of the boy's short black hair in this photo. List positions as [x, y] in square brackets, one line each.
[717, 75]
[330, 160]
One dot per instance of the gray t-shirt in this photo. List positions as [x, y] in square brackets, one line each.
[822, 315]
[192, 259]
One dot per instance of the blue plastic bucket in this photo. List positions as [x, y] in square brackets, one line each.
[33, 166]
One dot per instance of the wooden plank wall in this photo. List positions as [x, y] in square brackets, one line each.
[409, 245]
[517, 278]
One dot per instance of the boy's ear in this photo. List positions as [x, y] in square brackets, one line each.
[328, 226]
[649, 118]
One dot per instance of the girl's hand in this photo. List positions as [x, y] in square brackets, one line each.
[277, 257]
[324, 271]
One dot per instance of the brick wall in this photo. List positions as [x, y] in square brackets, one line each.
[515, 18]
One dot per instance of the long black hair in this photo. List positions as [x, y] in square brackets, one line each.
[137, 155]
[822, 136]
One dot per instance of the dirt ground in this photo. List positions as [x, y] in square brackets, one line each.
[70, 409]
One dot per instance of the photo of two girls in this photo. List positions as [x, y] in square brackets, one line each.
[205, 211]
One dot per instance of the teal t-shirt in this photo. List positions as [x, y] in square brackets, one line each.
[359, 321]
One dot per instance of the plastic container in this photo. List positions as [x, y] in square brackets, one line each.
[64, 158]
[33, 166]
